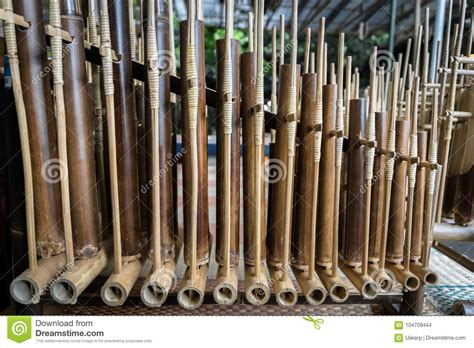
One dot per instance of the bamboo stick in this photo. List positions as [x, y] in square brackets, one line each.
[307, 47]
[282, 39]
[57, 48]
[225, 291]
[12, 51]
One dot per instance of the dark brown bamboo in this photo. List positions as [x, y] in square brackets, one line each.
[396, 226]
[248, 76]
[203, 215]
[41, 128]
[304, 185]
[80, 145]
[325, 224]
[378, 187]
[353, 245]
[127, 161]
[235, 160]
[279, 161]
[165, 129]
[419, 199]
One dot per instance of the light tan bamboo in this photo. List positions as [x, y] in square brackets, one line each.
[56, 49]
[259, 124]
[225, 291]
[282, 39]
[12, 51]
[251, 30]
[307, 51]
[450, 107]
[426, 59]
[69, 287]
[348, 95]
[273, 96]
[389, 164]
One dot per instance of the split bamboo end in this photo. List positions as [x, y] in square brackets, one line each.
[385, 281]
[28, 287]
[335, 286]
[257, 291]
[226, 289]
[409, 280]
[117, 288]
[67, 289]
[426, 276]
[191, 294]
[157, 286]
[285, 292]
[312, 287]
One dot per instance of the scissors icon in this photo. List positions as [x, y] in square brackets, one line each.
[316, 322]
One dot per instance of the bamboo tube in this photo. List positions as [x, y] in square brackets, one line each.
[273, 96]
[450, 107]
[250, 31]
[156, 292]
[124, 113]
[45, 166]
[257, 291]
[356, 190]
[312, 59]
[166, 127]
[12, 51]
[258, 129]
[425, 71]
[412, 168]
[398, 196]
[98, 118]
[78, 119]
[419, 199]
[228, 179]
[378, 189]
[56, 48]
[70, 286]
[339, 144]
[282, 39]
[307, 47]
[29, 286]
[348, 95]
[118, 286]
[390, 161]
[196, 231]
[405, 65]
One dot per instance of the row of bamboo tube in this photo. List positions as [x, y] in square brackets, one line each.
[361, 188]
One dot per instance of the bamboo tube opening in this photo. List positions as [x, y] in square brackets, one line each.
[226, 288]
[28, 287]
[430, 278]
[190, 298]
[369, 290]
[153, 295]
[257, 291]
[286, 297]
[340, 293]
[24, 290]
[316, 296]
[412, 283]
[117, 288]
[64, 291]
[114, 294]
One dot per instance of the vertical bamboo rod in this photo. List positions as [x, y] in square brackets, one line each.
[259, 124]
[348, 94]
[12, 51]
[250, 32]
[109, 95]
[339, 153]
[273, 97]
[282, 39]
[307, 51]
[57, 48]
